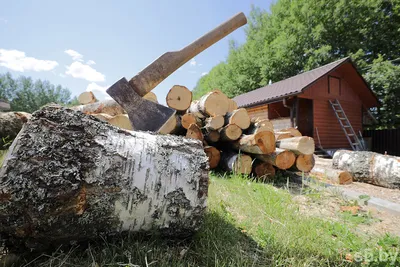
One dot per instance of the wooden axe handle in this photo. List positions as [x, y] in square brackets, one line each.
[169, 62]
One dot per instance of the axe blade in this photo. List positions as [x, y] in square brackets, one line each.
[144, 115]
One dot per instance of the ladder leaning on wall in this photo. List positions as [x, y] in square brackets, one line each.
[348, 130]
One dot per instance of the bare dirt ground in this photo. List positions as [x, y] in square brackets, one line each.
[331, 206]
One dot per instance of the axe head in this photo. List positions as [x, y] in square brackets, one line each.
[143, 114]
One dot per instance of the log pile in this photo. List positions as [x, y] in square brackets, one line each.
[232, 141]
[235, 143]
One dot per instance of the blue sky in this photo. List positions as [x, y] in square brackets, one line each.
[88, 45]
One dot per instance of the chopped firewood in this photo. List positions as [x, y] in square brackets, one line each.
[179, 98]
[369, 167]
[194, 109]
[188, 119]
[109, 107]
[172, 126]
[194, 132]
[214, 123]
[299, 145]
[263, 170]
[232, 105]
[332, 176]
[281, 158]
[86, 98]
[282, 135]
[213, 155]
[213, 104]
[259, 143]
[240, 117]
[211, 136]
[151, 97]
[121, 120]
[230, 132]
[260, 126]
[86, 177]
[236, 163]
[293, 131]
[304, 163]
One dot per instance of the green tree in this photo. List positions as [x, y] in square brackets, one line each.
[300, 35]
[27, 95]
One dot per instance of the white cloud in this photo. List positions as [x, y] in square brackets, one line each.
[90, 62]
[62, 75]
[98, 90]
[204, 73]
[18, 61]
[79, 70]
[75, 55]
[193, 62]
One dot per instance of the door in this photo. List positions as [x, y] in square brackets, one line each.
[305, 117]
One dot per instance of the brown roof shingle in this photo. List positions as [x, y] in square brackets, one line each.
[291, 86]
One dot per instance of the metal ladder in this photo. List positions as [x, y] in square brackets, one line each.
[346, 126]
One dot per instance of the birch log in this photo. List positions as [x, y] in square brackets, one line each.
[236, 163]
[213, 104]
[259, 143]
[259, 126]
[188, 119]
[230, 132]
[68, 177]
[304, 163]
[332, 176]
[214, 123]
[240, 117]
[86, 98]
[179, 98]
[109, 107]
[151, 97]
[299, 145]
[369, 167]
[10, 125]
[214, 156]
[283, 159]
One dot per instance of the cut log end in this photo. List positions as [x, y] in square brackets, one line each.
[86, 98]
[212, 136]
[194, 132]
[240, 117]
[179, 98]
[305, 163]
[213, 155]
[214, 123]
[263, 170]
[299, 145]
[151, 97]
[259, 143]
[213, 104]
[230, 132]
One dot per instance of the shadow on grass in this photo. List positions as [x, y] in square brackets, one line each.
[217, 243]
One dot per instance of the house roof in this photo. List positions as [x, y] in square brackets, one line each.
[291, 86]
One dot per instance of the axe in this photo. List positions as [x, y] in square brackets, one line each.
[146, 115]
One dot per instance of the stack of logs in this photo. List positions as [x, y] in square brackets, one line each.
[232, 140]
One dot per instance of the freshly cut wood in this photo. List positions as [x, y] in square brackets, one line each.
[109, 107]
[213, 104]
[282, 135]
[332, 176]
[281, 158]
[194, 132]
[172, 126]
[194, 109]
[122, 120]
[236, 163]
[240, 117]
[188, 119]
[213, 155]
[260, 126]
[232, 105]
[86, 98]
[151, 97]
[10, 125]
[211, 136]
[230, 132]
[305, 163]
[263, 170]
[86, 177]
[259, 143]
[179, 98]
[293, 131]
[299, 145]
[214, 123]
[369, 167]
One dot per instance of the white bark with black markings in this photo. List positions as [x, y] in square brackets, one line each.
[69, 176]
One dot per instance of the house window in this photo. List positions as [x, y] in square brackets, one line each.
[334, 86]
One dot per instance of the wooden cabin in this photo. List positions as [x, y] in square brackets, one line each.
[302, 101]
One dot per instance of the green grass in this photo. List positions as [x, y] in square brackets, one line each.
[247, 224]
